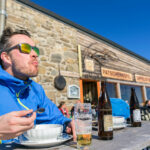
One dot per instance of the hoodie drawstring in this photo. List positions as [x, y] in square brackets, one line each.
[17, 95]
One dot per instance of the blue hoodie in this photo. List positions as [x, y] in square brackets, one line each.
[19, 95]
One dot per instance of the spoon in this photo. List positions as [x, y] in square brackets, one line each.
[39, 111]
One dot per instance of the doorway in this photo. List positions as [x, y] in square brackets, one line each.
[90, 94]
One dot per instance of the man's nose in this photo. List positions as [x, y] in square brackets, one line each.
[33, 53]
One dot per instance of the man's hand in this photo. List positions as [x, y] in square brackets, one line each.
[14, 124]
[71, 129]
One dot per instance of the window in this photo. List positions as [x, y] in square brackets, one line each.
[126, 92]
[111, 89]
[148, 92]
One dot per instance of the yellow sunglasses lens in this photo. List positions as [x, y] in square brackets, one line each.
[26, 48]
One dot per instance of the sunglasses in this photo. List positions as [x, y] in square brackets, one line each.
[24, 48]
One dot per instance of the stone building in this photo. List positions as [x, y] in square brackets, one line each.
[81, 56]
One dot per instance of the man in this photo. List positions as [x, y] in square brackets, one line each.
[19, 62]
[14, 124]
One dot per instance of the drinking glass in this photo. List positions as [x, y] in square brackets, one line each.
[83, 125]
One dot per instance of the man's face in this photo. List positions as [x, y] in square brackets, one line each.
[23, 65]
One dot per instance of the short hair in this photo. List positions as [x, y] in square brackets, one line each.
[61, 104]
[146, 102]
[5, 38]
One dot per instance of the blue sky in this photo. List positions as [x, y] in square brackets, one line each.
[126, 22]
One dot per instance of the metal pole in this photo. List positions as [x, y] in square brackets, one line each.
[2, 15]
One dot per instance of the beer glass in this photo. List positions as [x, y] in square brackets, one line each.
[83, 125]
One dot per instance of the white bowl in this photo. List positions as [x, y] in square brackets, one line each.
[119, 122]
[44, 132]
[118, 119]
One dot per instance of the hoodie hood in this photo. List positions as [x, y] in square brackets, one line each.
[14, 84]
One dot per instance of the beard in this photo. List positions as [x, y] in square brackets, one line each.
[24, 71]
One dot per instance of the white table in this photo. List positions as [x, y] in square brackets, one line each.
[129, 138]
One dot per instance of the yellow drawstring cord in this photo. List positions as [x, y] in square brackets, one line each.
[17, 95]
[20, 102]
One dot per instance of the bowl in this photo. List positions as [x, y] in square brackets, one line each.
[119, 122]
[43, 132]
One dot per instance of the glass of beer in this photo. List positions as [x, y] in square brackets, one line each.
[83, 125]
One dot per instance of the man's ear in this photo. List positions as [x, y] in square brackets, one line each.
[5, 57]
